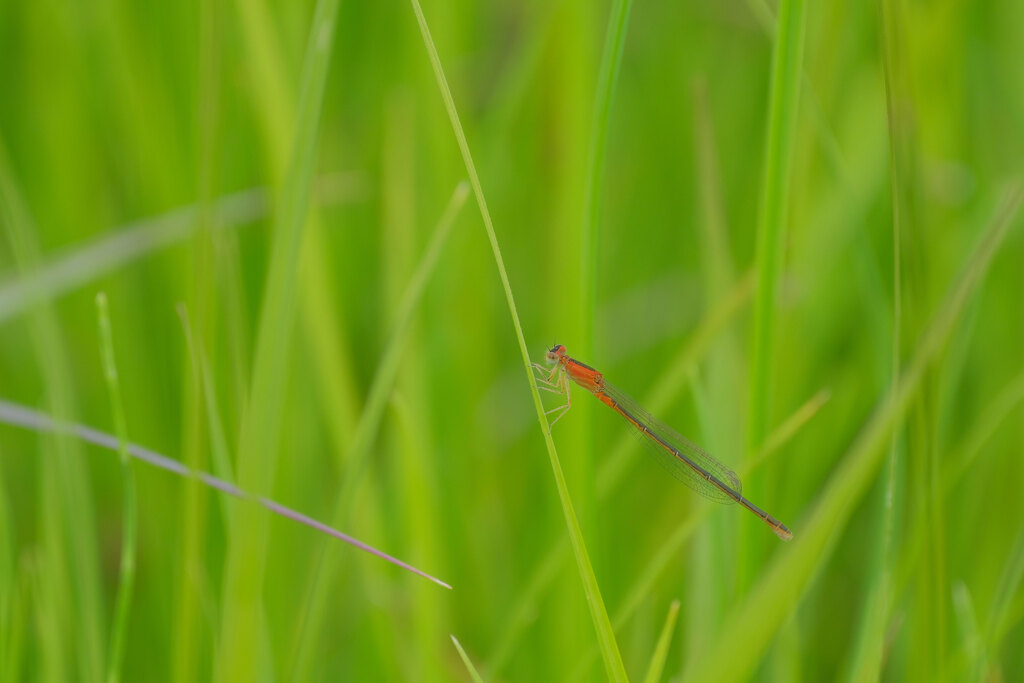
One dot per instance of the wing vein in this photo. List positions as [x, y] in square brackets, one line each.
[683, 459]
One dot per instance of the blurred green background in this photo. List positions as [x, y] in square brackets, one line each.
[166, 154]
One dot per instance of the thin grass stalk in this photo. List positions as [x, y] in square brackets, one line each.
[931, 602]
[221, 461]
[360, 450]
[772, 228]
[424, 533]
[1009, 585]
[219, 450]
[384, 379]
[209, 241]
[187, 629]
[783, 109]
[75, 267]
[964, 455]
[27, 418]
[766, 18]
[320, 308]
[613, 468]
[69, 566]
[644, 583]
[589, 237]
[608, 74]
[126, 582]
[671, 381]
[261, 427]
[47, 630]
[413, 398]
[975, 656]
[868, 655]
[785, 580]
[992, 416]
[606, 637]
[717, 264]
[657, 665]
[12, 597]
[725, 373]
[186, 603]
[473, 673]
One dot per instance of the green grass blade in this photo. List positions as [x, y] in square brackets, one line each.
[322, 310]
[991, 417]
[467, 158]
[123, 245]
[783, 111]
[47, 631]
[473, 674]
[69, 574]
[12, 585]
[219, 450]
[670, 548]
[221, 467]
[613, 468]
[323, 332]
[1009, 585]
[389, 366]
[960, 461]
[671, 382]
[525, 613]
[316, 601]
[412, 497]
[16, 622]
[930, 604]
[717, 262]
[764, 15]
[867, 657]
[657, 665]
[126, 582]
[608, 74]
[970, 634]
[21, 416]
[771, 238]
[239, 644]
[606, 636]
[187, 631]
[421, 499]
[784, 581]
[823, 129]
[788, 429]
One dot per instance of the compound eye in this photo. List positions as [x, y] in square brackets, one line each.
[555, 353]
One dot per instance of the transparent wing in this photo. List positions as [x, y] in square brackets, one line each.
[687, 460]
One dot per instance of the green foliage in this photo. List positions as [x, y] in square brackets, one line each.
[126, 578]
[473, 673]
[783, 226]
[657, 664]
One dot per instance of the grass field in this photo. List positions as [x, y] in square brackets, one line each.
[310, 249]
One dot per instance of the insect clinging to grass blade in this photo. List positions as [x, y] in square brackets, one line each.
[687, 462]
